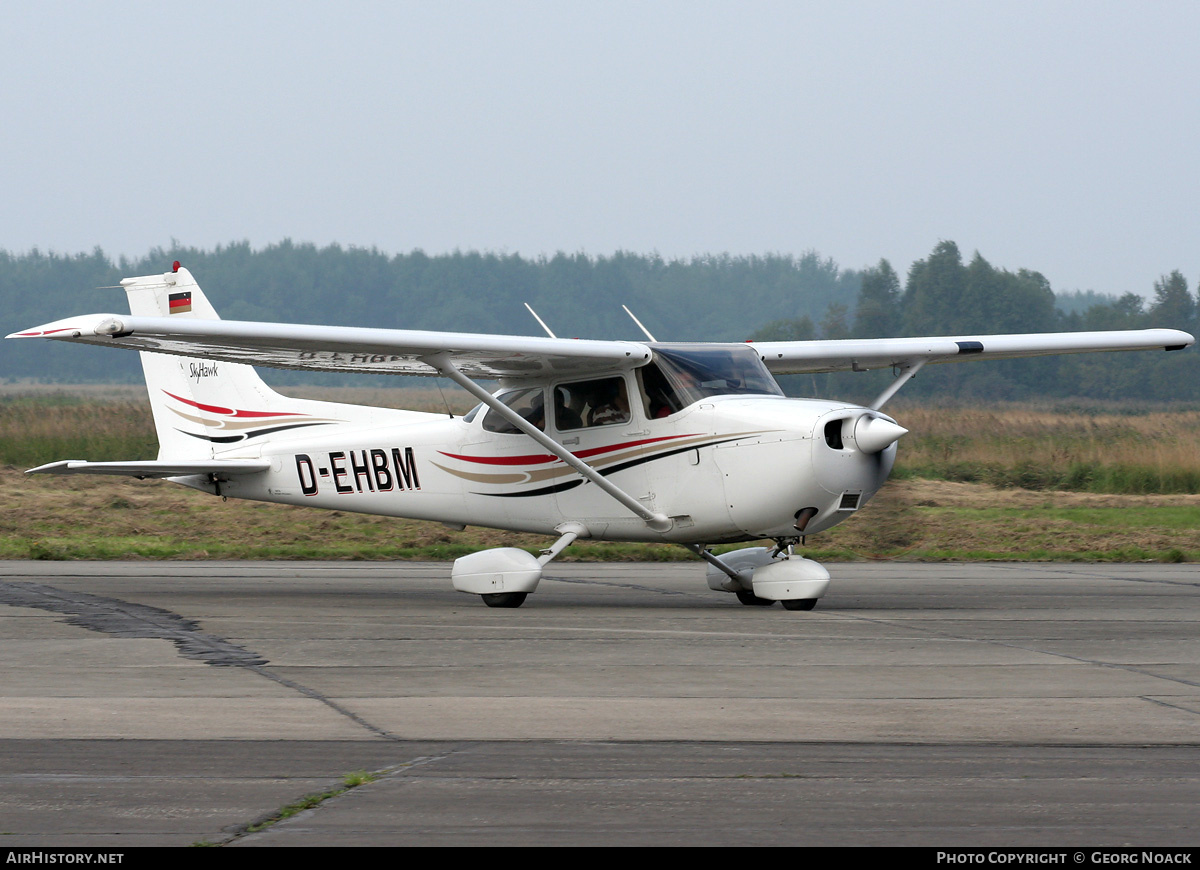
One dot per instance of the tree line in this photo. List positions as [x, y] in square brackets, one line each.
[943, 295]
[705, 298]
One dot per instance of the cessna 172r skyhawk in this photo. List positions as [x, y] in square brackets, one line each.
[693, 444]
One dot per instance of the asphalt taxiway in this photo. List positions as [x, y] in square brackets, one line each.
[989, 704]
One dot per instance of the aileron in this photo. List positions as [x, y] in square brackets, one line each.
[800, 357]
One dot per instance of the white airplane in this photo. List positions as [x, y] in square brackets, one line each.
[692, 444]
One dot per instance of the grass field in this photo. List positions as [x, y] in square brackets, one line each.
[1040, 448]
[1021, 482]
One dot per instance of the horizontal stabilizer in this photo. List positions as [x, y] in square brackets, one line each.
[156, 468]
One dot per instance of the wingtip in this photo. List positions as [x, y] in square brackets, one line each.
[62, 466]
[76, 326]
[50, 330]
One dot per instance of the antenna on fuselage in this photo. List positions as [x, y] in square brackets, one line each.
[644, 330]
[539, 320]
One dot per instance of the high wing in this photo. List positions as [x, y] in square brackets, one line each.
[344, 348]
[405, 352]
[797, 357]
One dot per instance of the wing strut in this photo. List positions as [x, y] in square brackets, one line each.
[442, 362]
[906, 371]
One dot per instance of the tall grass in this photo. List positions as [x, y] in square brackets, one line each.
[45, 424]
[36, 430]
[1033, 448]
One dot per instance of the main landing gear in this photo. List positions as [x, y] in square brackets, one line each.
[505, 576]
[504, 599]
[799, 604]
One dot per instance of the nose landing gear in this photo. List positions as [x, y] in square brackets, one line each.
[760, 576]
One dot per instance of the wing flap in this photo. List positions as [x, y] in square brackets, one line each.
[344, 348]
[153, 468]
[797, 357]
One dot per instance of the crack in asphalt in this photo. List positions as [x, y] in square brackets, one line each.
[118, 618]
[124, 619]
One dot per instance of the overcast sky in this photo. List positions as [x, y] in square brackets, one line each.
[1056, 136]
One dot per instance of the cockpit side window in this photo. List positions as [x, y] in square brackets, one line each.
[529, 402]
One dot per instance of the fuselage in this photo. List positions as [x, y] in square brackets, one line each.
[724, 468]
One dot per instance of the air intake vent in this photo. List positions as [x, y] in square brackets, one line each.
[849, 501]
[833, 434]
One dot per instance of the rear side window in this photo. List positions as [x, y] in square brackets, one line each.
[583, 404]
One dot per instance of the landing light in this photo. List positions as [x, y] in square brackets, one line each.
[111, 327]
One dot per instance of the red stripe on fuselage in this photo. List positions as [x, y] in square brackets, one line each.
[541, 459]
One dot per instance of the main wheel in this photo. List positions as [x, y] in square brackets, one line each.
[799, 604]
[504, 599]
[753, 600]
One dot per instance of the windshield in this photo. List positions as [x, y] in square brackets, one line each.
[681, 375]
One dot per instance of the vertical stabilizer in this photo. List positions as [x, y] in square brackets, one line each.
[203, 407]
